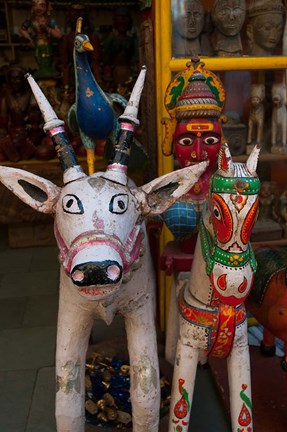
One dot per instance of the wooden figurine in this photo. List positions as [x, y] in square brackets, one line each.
[40, 30]
[228, 17]
[256, 116]
[265, 24]
[92, 115]
[211, 304]
[188, 23]
[279, 119]
[194, 100]
[105, 261]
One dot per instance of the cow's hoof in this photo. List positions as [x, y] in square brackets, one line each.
[267, 350]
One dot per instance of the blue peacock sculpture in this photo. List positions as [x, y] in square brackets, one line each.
[92, 115]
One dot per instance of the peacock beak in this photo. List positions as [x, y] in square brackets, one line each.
[87, 46]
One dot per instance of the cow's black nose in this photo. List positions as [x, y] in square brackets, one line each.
[97, 273]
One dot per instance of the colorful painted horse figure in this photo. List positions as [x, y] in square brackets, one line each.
[268, 298]
[106, 266]
[212, 313]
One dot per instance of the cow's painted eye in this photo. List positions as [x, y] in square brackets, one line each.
[72, 204]
[119, 203]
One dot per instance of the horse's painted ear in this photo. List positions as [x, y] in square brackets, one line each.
[225, 164]
[252, 160]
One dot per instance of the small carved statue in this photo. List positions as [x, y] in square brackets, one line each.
[188, 23]
[20, 118]
[279, 119]
[264, 26]
[228, 17]
[194, 100]
[256, 116]
[39, 30]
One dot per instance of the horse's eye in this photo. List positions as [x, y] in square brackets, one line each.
[216, 212]
[222, 219]
[119, 203]
[72, 204]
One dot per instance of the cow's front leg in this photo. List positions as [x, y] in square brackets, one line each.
[74, 328]
[183, 380]
[238, 364]
[144, 369]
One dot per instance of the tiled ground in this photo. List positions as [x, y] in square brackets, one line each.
[28, 311]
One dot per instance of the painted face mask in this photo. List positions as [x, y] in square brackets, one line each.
[197, 140]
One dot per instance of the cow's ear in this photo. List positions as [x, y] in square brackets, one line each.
[37, 192]
[162, 192]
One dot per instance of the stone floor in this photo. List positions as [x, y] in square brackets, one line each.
[28, 315]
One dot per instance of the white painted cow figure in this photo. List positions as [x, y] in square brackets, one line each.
[106, 266]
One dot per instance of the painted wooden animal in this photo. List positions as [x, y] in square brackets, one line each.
[212, 313]
[92, 114]
[256, 114]
[268, 298]
[105, 261]
[279, 119]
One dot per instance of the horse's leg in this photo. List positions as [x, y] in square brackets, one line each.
[238, 364]
[183, 385]
[144, 369]
[172, 331]
[74, 328]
